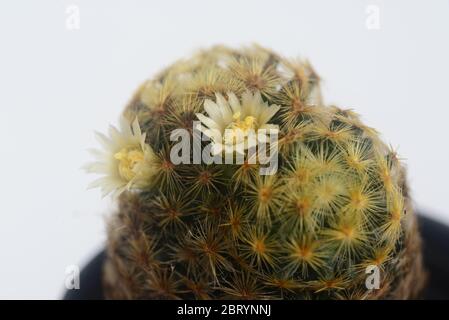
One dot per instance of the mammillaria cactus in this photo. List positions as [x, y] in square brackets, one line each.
[333, 202]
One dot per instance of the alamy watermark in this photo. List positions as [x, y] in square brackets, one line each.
[372, 21]
[236, 146]
[72, 20]
[72, 278]
[372, 281]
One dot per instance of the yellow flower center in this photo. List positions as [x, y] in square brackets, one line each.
[239, 126]
[128, 159]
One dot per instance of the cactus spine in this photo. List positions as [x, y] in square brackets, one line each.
[338, 203]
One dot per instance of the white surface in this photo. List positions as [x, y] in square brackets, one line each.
[57, 86]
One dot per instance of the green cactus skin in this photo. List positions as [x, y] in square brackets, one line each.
[338, 203]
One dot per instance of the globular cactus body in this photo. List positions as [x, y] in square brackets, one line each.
[337, 203]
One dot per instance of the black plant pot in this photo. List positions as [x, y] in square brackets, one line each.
[436, 258]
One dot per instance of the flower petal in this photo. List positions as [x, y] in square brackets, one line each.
[213, 111]
[207, 121]
[268, 113]
[98, 154]
[136, 128]
[104, 140]
[125, 127]
[96, 167]
[234, 102]
[224, 108]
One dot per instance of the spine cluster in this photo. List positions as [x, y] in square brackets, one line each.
[337, 203]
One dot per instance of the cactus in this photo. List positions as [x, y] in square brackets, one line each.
[338, 202]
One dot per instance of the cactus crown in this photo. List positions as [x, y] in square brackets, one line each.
[337, 203]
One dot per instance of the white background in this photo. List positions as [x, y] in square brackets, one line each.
[58, 85]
